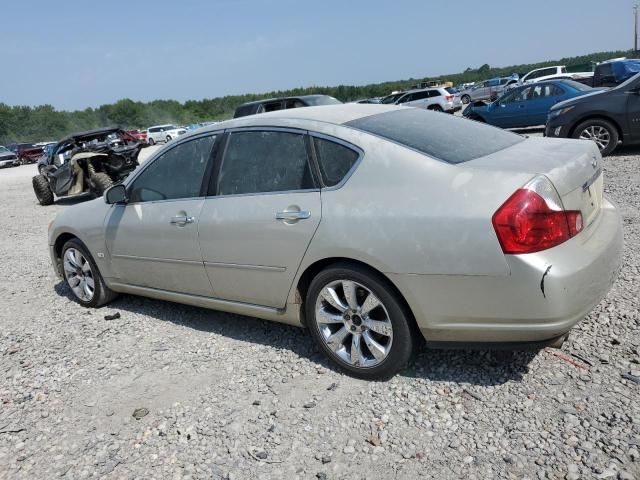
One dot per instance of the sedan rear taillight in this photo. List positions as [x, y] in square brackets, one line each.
[532, 219]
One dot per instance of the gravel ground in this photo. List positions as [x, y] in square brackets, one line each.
[170, 391]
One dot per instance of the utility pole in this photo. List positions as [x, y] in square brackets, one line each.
[635, 29]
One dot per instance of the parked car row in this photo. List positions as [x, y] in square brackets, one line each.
[569, 109]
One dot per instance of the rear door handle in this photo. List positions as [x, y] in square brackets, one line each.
[300, 215]
[181, 220]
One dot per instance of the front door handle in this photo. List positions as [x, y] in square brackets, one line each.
[294, 215]
[181, 220]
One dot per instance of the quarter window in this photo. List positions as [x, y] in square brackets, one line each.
[176, 174]
[259, 162]
[335, 160]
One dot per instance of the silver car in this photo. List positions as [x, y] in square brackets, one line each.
[371, 225]
[487, 90]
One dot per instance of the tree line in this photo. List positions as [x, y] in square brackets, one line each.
[44, 122]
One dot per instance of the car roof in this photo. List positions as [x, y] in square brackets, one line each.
[279, 99]
[332, 114]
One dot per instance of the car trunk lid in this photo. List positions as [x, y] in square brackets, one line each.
[574, 167]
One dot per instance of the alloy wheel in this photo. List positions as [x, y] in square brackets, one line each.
[77, 271]
[598, 134]
[353, 323]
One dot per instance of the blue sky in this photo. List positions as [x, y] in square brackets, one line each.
[76, 54]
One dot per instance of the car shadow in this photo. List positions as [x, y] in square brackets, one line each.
[625, 151]
[473, 367]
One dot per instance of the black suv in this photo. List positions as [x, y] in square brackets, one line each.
[606, 117]
[273, 104]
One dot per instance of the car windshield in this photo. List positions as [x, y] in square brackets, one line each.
[581, 87]
[453, 140]
[5, 150]
[323, 100]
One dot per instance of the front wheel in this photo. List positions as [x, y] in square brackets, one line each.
[466, 99]
[357, 320]
[82, 276]
[602, 132]
[151, 142]
[42, 189]
[168, 138]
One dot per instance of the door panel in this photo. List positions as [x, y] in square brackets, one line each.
[250, 256]
[150, 247]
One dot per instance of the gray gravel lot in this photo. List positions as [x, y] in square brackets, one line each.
[222, 396]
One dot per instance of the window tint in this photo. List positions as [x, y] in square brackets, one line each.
[451, 139]
[335, 160]
[272, 107]
[175, 174]
[420, 95]
[293, 103]
[256, 162]
[406, 98]
[434, 93]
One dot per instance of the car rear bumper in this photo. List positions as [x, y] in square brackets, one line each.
[544, 296]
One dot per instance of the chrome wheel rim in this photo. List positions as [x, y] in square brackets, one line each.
[354, 324]
[598, 134]
[77, 272]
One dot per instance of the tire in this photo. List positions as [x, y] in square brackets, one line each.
[151, 142]
[465, 99]
[601, 131]
[168, 139]
[41, 169]
[335, 325]
[42, 190]
[78, 265]
[435, 108]
[101, 182]
[478, 118]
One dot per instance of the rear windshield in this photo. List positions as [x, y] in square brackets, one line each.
[445, 137]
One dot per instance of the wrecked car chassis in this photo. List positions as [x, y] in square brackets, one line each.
[87, 163]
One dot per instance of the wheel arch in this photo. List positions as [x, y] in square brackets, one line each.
[60, 240]
[310, 272]
[596, 116]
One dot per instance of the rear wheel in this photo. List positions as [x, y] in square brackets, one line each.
[168, 138]
[101, 182]
[151, 141]
[358, 321]
[600, 131]
[82, 276]
[42, 189]
[435, 108]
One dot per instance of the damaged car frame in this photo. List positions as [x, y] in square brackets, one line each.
[85, 163]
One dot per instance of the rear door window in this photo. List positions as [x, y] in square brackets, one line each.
[444, 137]
[264, 161]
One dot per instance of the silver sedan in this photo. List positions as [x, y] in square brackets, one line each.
[371, 225]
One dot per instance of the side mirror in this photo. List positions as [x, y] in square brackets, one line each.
[116, 195]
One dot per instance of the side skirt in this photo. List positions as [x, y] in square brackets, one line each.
[289, 315]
